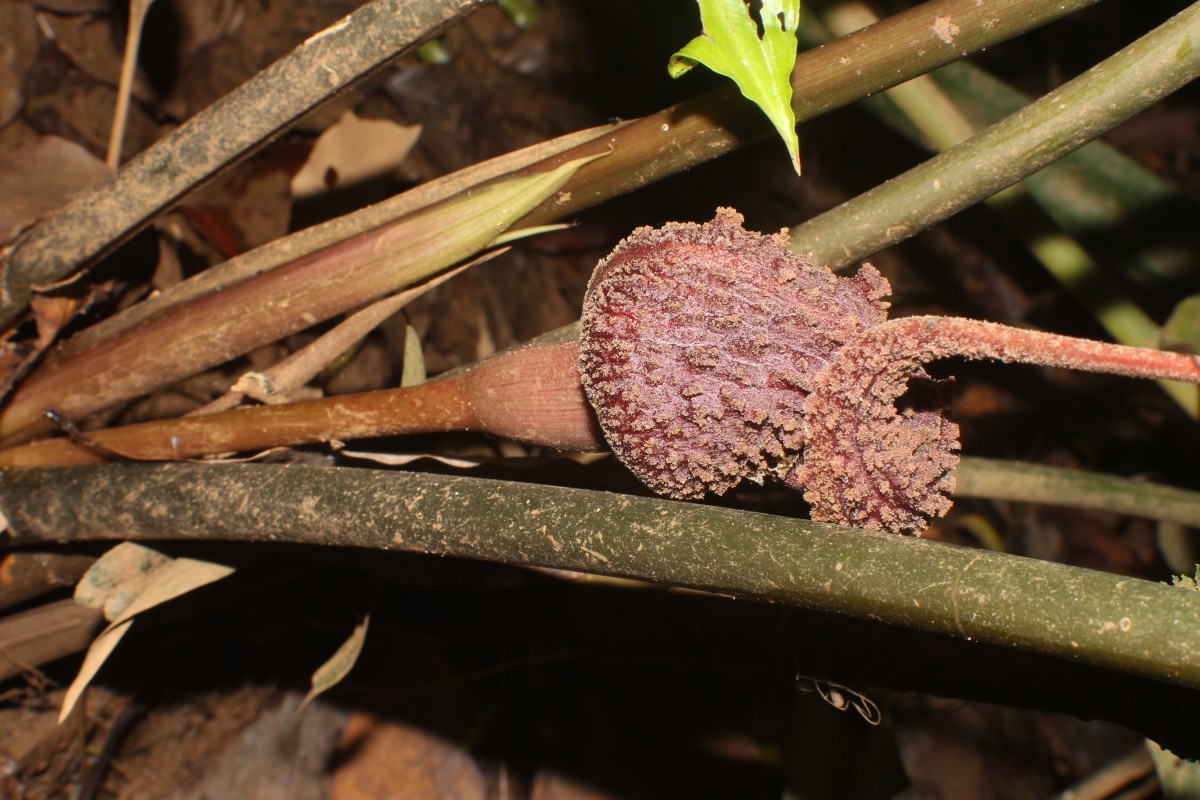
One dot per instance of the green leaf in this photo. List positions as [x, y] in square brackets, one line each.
[1181, 331]
[761, 67]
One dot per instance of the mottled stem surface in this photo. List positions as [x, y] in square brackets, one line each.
[1116, 622]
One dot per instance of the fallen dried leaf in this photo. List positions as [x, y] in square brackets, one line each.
[42, 177]
[151, 583]
[352, 151]
[338, 666]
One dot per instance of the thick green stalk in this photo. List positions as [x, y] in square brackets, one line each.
[1140, 223]
[1111, 621]
[1046, 130]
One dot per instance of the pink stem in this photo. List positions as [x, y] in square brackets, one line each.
[968, 338]
[865, 464]
[531, 394]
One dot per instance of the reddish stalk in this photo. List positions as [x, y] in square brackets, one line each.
[531, 394]
[868, 465]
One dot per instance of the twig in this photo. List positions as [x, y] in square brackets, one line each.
[133, 39]
[90, 789]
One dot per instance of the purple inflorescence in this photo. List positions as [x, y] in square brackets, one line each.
[699, 347]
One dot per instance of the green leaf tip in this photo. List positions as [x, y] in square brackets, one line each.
[761, 66]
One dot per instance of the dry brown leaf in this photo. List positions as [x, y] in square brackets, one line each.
[38, 179]
[18, 47]
[169, 270]
[203, 23]
[403, 459]
[65, 100]
[52, 312]
[413, 370]
[117, 577]
[89, 42]
[262, 206]
[245, 206]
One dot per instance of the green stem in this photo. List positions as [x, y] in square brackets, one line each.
[1034, 483]
[1142, 224]
[1046, 130]
[942, 125]
[1106, 620]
